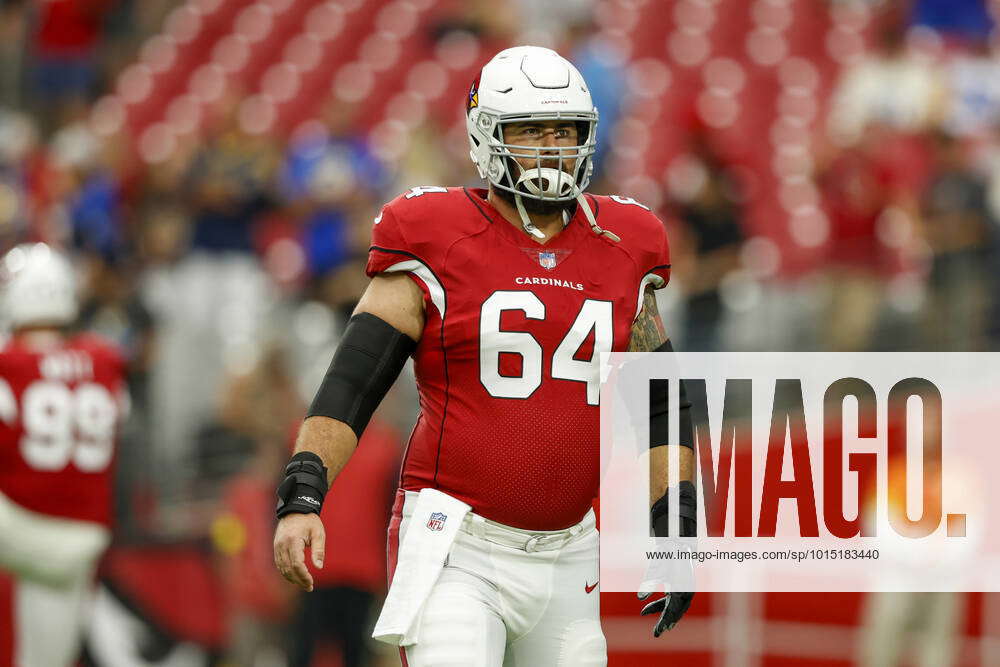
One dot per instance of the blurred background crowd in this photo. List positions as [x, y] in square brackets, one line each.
[827, 170]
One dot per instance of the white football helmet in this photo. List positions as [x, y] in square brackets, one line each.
[530, 83]
[38, 287]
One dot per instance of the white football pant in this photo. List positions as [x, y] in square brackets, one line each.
[511, 598]
[52, 562]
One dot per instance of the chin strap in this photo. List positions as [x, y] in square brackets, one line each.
[587, 213]
[525, 220]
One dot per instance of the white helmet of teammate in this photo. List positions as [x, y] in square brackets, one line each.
[38, 287]
[530, 83]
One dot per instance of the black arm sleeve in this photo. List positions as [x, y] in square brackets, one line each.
[368, 360]
[659, 422]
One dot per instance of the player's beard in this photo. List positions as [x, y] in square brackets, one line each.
[535, 206]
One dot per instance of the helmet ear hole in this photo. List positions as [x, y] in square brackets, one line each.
[496, 170]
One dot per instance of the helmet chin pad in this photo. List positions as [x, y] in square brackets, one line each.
[546, 183]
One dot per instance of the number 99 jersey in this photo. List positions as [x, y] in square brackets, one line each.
[508, 366]
[60, 409]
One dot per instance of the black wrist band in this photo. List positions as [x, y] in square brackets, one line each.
[659, 514]
[304, 486]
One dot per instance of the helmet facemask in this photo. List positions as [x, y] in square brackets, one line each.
[558, 173]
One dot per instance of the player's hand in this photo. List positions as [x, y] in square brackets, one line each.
[294, 533]
[667, 575]
[670, 608]
[673, 571]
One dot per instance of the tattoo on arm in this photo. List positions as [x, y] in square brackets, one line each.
[647, 332]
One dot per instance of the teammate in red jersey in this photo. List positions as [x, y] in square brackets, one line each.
[61, 400]
[505, 298]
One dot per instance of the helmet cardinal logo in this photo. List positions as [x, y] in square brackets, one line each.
[473, 96]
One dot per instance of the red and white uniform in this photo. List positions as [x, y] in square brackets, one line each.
[508, 364]
[60, 407]
[508, 371]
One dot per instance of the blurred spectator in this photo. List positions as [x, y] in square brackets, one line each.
[333, 155]
[314, 321]
[480, 19]
[330, 209]
[341, 289]
[856, 194]
[896, 623]
[263, 404]
[64, 71]
[92, 193]
[713, 220]
[126, 28]
[355, 518]
[158, 604]
[13, 23]
[258, 600]
[332, 180]
[602, 67]
[229, 184]
[18, 139]
[111, 307]
[162, 235]
[968, 20]
[430, 159]
[256, 410]
[958, 229]
[895, 86]
[114, 309]
[546, 24]
[973, 79]
[245, 448]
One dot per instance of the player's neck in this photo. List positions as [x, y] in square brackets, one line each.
[39, 337]
[549, 225]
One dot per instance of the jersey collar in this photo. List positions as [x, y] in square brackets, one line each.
[568, 237]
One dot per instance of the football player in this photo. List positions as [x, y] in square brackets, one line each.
[62, 397]
[505, 297]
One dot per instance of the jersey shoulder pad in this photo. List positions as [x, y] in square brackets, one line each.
[422, 223]
[643, 235]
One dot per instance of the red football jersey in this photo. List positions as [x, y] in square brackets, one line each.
[59, 414]
[508, 366]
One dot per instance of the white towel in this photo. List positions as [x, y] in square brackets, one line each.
[432, 529]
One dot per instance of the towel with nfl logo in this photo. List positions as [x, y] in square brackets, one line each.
[432, 528]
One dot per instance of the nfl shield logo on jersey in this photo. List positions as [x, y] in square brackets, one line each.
[436, 522]
[547, 260]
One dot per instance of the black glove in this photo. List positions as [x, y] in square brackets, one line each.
[666, 574]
